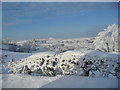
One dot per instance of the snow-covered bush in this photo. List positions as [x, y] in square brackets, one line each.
[107, 40]
[104, 65]
[67, 63]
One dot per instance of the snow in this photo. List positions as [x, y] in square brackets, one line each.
[107, 40]
[52, 44]
[27, 81]
[82, 82]
[14, 55]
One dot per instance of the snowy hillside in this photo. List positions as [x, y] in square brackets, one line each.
[14, 55]
[53, 44]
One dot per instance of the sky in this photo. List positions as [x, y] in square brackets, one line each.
[0, 21]
[29, 20]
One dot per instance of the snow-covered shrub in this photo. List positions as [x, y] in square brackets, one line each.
[69, 66]
[68, 63]
[103, 65]
[107, 40]
[41, 63]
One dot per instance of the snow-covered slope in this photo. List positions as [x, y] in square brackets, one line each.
[14, 55]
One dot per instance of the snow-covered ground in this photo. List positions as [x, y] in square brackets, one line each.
[10, 55]
[27, 81]
[14, 55]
